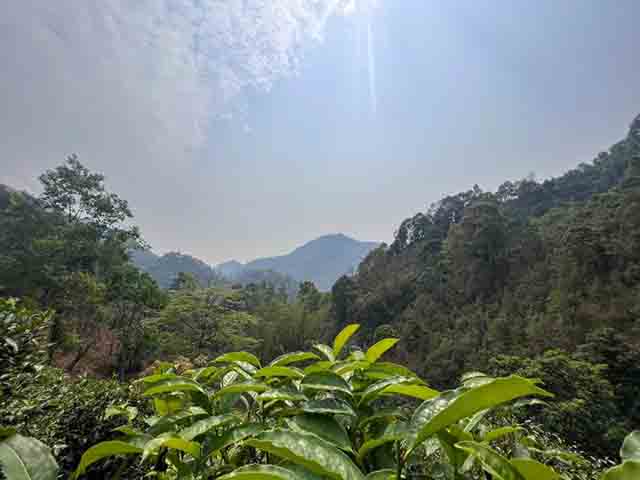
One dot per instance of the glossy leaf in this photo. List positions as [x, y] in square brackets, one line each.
[104, 450]
[281, 394]
[631, 446]
[629, 470]
[321, 366]
[348, 367]
[241, 388]
[233, 357]
[440, 412]
[293, 357]
[381, 370]
[382, 414]
[328, 406]
[171, 441]
[343, 337]
[168, 404]
[533, 470]
[260, 472]
[205, 373]
[25, 458]
[279, 371]
[385, 474]
[325, 381]
[374, 391]
[176, 384]
[326, 351]
[392, 433]
[421, 392]
[448, 438]
[156, 378]
[492, 461]
[325, 427]
[235, 435]
[168, 422]
[206, 424]
[308, 451]
[500, 432]
[378, 349]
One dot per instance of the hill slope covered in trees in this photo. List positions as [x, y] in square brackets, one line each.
[482, 277]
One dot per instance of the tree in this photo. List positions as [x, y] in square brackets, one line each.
[91, 218]
[184, 281]
[310, 296]
[80, 197]
[583, 411]
[202, 322]
[133, 297]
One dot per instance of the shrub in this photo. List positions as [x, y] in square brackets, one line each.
[341, 417]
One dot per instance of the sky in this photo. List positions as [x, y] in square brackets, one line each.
[243, 128]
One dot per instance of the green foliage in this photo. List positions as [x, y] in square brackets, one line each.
[203, 322]
[322, 421]
[24, 458]
[23, 341]
[66, 414]
[531, 267]
[583, 411]
[629, 469]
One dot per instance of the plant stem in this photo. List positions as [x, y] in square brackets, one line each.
[398, 461]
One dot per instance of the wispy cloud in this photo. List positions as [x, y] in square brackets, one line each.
[152, 71]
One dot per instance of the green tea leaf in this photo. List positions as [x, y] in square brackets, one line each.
[293, 357]
[532, 470]
[203, 426]
[279, 371]
[25, 458]
[378, 349]
[260, 472]
[104, 450]
[233, 357]
[325, 427]
[445, 410]
[492, 461]
[631, 446]
[343, 337]
[308, 451]
[325, 381]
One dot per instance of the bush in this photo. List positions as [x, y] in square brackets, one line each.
[583, 411]
[344, 416]
[66, 414]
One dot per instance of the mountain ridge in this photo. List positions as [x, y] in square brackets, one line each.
[322, 260]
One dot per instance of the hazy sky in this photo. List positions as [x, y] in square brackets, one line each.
[242, 128]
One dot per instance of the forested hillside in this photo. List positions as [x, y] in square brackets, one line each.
[164, 269]
[482, 278]
[538, 279]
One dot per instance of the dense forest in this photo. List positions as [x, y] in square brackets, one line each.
[536, 280]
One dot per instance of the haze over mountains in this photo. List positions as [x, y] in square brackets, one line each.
[321, 261]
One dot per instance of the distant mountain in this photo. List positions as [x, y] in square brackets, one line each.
[143, 259]
[231, 269]
[321, 261]
[164, 269]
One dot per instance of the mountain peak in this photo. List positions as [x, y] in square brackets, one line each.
[322, 260]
